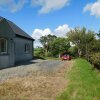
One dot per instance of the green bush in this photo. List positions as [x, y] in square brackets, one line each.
[95, 59]
[49, 54]
[38, 52]
[73, 51]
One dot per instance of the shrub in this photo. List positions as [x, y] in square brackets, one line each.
[95, 59]
[49, 54]
[73, 51]
[38, 52]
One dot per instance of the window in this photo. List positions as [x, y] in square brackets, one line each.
[3, 46]
[27, 48]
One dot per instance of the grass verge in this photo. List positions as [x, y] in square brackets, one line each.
[84, 83]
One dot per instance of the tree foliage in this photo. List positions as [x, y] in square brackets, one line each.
[59, 45]
[95, 59]
[73, 51]
[46, 42]
[82, 38]
[53, 45]
[87, 44]
[98, 34]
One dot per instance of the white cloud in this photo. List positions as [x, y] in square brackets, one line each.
[60, 31]
[94, 8]
[18, 6]
[50, 5]
[37, 44]
[47, 31]
[12, 5]
[46, 5]
[37, 33]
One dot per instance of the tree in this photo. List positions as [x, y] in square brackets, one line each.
[89, 40]
[43, 40]
[73, 51]
[82, 38]
[95, 46]
[98, 34]
[46, 41]
[95, 60]
[59, 45]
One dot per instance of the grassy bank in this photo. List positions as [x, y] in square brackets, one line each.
[84, 83]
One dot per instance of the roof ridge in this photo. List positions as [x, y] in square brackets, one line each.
[16, 29]
[1, 18]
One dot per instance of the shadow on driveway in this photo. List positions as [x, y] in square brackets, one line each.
[25, 63]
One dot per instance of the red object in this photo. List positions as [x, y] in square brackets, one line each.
[66, 57]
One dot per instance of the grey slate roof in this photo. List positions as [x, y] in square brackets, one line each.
[18, 31]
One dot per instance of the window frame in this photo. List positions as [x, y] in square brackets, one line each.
[5, 52]
[27, 48]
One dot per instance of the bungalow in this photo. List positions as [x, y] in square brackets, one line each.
[15, 44]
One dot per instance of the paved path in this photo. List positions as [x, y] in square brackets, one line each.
[23, 69]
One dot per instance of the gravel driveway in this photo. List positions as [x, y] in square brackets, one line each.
[23, 69]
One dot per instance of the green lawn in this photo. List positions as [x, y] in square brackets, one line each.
[84, 83]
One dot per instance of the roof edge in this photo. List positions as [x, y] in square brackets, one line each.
[4, 19]
[25, 37]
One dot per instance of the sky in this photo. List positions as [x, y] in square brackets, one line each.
[57, 17]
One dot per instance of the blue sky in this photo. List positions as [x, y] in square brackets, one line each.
[40, 17]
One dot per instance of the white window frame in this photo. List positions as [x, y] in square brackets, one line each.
[5, 46]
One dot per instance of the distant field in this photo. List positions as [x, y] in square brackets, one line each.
[84, 83]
